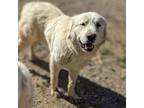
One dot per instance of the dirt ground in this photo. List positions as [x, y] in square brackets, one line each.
[99, 85]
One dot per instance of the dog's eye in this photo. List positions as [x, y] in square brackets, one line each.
[98, 25]
[83, 24]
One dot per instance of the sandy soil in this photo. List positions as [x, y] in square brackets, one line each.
[99, 85]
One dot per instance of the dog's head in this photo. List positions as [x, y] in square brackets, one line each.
[84, 32]
[89, 30]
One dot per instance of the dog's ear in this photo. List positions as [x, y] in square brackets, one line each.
[65, 30]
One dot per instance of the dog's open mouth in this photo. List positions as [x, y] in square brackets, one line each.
[87, 46]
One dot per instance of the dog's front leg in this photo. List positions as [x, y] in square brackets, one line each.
[71, 83]
[54, 73]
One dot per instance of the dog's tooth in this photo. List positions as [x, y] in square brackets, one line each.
[82, 45]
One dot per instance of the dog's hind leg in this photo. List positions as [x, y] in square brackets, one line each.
[54, 73]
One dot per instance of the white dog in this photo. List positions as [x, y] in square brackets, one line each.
[24, 87]
[71, 40]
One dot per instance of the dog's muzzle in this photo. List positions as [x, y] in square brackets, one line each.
[87, 46]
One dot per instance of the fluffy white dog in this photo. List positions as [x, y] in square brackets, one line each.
[71, 40]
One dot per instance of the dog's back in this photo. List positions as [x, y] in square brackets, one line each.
[33, 18]
[39, 11]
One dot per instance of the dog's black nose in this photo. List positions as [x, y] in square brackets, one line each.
[92, 37]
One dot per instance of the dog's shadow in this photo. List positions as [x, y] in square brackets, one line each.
[91, 94]
[41, 63]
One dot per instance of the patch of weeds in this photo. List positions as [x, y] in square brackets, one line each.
[122, 62]
[106, 51]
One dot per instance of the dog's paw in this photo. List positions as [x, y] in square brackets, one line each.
[74, 95]
[55, 94]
